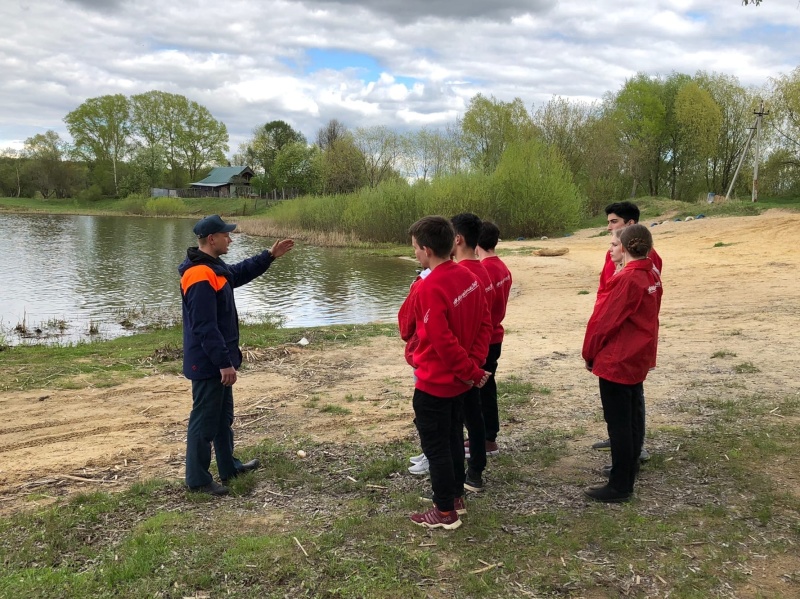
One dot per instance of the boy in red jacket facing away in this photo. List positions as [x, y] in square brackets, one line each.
[620, 348]
[453, 341]
[468, 228]
[501, 279]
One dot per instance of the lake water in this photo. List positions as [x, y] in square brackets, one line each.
[65, 275]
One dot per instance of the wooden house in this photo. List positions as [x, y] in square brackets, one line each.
[225, 182]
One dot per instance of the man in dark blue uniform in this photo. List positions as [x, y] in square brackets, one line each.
[211, 353]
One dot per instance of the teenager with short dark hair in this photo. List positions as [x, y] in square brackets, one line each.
[453, 341]
[467, 227]
[500, 277]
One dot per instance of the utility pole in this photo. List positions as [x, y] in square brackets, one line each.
[755, 131]
[759, 115]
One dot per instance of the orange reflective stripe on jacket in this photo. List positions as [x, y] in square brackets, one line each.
[200, 273]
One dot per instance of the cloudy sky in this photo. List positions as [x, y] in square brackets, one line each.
[400, 63]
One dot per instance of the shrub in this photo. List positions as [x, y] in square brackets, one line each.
[534, 193]
[134, 204]
[164, 206]
[92, 194]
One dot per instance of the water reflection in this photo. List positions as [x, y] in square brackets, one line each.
[89, 270]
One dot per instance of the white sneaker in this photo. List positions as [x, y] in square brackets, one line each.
[416, 459]
[420, 467]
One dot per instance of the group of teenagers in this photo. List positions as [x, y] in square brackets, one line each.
[451, 322]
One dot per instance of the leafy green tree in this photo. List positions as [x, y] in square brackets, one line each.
[699, 119]
[260, 151]
[564, 125]
[340, 167]
[155, 130]
[603, 178]
[101, 131]
[51, 174]
[489, 126]
[639, 111]
[736, 104]
[11, 172]
[295, 167]
[185, 132]
[428, 154]
[379, 149]
[202, 140]
[785, 115]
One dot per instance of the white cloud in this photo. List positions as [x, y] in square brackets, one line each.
[248, 61]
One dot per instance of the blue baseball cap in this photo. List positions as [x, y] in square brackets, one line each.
[212, 224]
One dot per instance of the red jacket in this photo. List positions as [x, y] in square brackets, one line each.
[477, 268]
[622, 334]
[453, 329]
[501, 278]
[406, 321]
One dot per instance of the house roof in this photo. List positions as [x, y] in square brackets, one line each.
[222, 175]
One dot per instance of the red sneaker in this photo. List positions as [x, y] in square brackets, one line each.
[434, 518]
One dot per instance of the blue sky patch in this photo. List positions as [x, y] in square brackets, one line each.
[339, 60]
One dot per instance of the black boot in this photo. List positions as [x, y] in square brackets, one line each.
[607, 494]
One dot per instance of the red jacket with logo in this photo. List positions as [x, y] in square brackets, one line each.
[453, 331]
[501, 279]
[477, 268]
[622, 335]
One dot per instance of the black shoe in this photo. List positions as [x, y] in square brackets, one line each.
[602, 444]
[607, 494]
[246, 467]
[212, 488]
[473, 482]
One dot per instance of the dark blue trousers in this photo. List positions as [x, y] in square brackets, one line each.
[440, 423]
[210, 423]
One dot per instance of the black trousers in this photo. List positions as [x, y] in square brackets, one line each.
[210, 423]
[622, 410]
[473, 420]
[440, 423]
[491, 416]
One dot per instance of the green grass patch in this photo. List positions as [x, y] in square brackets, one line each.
[746, 368]
[723, 353]
[334, 409]
[704, 513]
[111, 362]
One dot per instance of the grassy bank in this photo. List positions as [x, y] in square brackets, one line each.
[109, 363]
[324, 227]
[193, 207]
[336, 524]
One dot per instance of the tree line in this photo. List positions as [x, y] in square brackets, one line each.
[677, 136]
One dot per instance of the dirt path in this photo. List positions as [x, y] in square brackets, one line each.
[740, 298]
